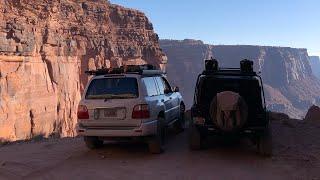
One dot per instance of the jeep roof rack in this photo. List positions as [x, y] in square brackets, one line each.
[229, 71]
[212, 67]
[145, 69]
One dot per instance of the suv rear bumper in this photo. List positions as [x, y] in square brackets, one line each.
[145, 129]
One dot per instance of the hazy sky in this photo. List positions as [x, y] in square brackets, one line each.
[294, 23]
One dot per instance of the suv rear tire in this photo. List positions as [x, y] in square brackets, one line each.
[157, 141]
[265, 143]
[93, 142]
[195, 141]
[179, 125]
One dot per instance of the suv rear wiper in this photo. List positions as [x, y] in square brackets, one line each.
[111, 96]
[121, 96]
[101, 96]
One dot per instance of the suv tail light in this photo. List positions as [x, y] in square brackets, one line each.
[141, 111]
[83, 112]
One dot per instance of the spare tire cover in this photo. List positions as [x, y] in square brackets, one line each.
[229, 111]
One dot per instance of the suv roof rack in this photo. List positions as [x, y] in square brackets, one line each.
[145, 69]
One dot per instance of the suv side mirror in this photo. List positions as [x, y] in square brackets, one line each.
[167, 91]
[176, 89]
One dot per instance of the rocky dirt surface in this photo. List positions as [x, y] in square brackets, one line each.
[296, 156]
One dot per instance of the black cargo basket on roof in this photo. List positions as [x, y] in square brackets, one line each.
[212, 67]
[246, 66]
[135, 69]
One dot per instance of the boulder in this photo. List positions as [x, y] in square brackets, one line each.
[313, 114]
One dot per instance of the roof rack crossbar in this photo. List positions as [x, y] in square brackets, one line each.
[152, 72]
[222, 68]
[146, 69]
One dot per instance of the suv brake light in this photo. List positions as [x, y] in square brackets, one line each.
[83, 112]
[141, 111]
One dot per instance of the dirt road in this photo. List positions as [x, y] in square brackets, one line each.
[296, 156]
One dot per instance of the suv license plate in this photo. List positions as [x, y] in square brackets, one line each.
[110, 113]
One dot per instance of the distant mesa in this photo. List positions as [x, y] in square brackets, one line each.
[290, 85]
[169, 42]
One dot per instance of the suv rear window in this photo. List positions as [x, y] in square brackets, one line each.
[113, 88]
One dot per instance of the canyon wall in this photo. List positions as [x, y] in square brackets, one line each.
[289, 83]
[315, 65]
[45, 47]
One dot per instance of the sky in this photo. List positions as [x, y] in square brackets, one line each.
[289, 23]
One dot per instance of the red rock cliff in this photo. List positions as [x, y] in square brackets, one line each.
[46, 45]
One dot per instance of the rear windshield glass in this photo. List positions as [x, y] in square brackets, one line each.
[113, 88]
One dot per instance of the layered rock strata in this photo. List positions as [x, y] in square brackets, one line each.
[45, 47]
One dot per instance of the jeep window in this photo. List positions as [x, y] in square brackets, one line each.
[113, 88]
[150, 86]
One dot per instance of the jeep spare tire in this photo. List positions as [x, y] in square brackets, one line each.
[228, 111]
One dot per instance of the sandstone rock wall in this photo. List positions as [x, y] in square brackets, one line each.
[45, 47]
[315, 65]
[290, 85]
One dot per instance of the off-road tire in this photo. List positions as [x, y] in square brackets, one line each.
[179, 125]
[156, 142]
[265, 143]
[195, 140]
[93, 142]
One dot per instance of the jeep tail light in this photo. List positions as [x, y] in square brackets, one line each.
[197, 116]
[83, 112]
[198, 120]
[141, 111]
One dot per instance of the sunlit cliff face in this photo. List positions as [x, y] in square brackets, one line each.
[45, 47]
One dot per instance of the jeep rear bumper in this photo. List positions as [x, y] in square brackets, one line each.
[145, 129]
[211, 130]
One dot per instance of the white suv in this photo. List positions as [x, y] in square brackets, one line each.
[126, 102]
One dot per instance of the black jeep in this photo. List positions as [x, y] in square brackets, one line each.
[230, 102]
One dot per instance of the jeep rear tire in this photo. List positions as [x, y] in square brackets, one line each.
[93, 142]
[195, 142]
[157, 141]
[265, 143]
